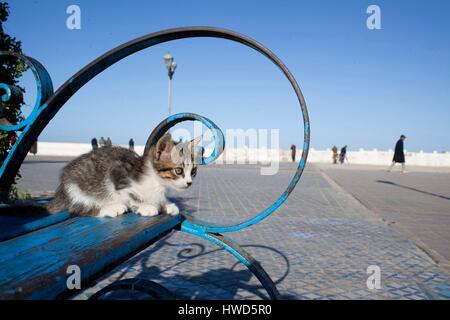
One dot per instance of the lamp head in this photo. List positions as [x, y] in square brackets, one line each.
[168, 59]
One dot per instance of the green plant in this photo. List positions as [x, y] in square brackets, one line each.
[10, 71]
[26, 195]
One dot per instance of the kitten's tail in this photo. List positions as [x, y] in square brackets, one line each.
[58, 203]
[29, 208]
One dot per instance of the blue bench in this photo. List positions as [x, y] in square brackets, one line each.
[35, 265]
[35, 255]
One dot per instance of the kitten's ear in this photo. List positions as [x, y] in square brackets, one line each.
[165, 143]
[185, 149]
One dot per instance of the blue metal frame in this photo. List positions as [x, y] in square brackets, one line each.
[166, 124]
[44, 90]
[48, 104]
[52, 103]
[244, 257]
[193, 223]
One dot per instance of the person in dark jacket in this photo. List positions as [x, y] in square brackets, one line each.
[131, 144]
[94, 143]
[399, 154]
[293, 152]
[343, 154]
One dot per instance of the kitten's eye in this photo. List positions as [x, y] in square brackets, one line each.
[193, 172]
[179, 171]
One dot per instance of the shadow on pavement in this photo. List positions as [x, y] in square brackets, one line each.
[413, 189]
[221, 283]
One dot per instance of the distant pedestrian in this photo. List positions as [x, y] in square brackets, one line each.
[399, 154]
[34, 149]
[343, 154]
[131, 144]
[102, 142]
[335, 154]
[94, 143]
[108, 142]
[293, 152]
[202, 151]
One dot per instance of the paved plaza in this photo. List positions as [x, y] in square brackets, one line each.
[416, 203]
[335, 224]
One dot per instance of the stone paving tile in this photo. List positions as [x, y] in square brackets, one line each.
[417, 203]
[318, 246]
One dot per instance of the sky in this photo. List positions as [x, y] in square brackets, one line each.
[363, 88]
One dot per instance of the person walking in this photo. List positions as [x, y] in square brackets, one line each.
[399, 154]
[293, 152]
[34, 148]
[108, 142]
[131, 144]
[94, 143]
[102, 142]
[343, 154]
[335, 154]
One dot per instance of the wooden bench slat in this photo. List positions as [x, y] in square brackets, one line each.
[34, 266]
[12, 231]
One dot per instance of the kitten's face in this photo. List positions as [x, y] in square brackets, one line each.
[174, 163]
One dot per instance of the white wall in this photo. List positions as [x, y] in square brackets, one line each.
[379, 157]
[65, 149]
[246, 155]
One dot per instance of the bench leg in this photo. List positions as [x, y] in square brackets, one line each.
[243, 257]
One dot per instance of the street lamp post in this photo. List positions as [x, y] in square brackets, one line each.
[171, 66]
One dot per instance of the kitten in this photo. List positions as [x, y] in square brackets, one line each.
[110, 181]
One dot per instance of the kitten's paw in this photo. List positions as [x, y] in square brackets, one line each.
[147, 210]
[112, 210]
[172, 209]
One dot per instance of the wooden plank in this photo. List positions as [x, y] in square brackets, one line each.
[34, 266]
[17, 226]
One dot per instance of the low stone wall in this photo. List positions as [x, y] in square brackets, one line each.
[377, 157]
[66, 149]
[247, 155]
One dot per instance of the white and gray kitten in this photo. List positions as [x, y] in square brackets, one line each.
[110, 181]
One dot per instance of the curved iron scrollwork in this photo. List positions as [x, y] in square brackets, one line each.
[49, 103]
[150, 288]
[43, 83]
[173, 120]
[19, 150]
